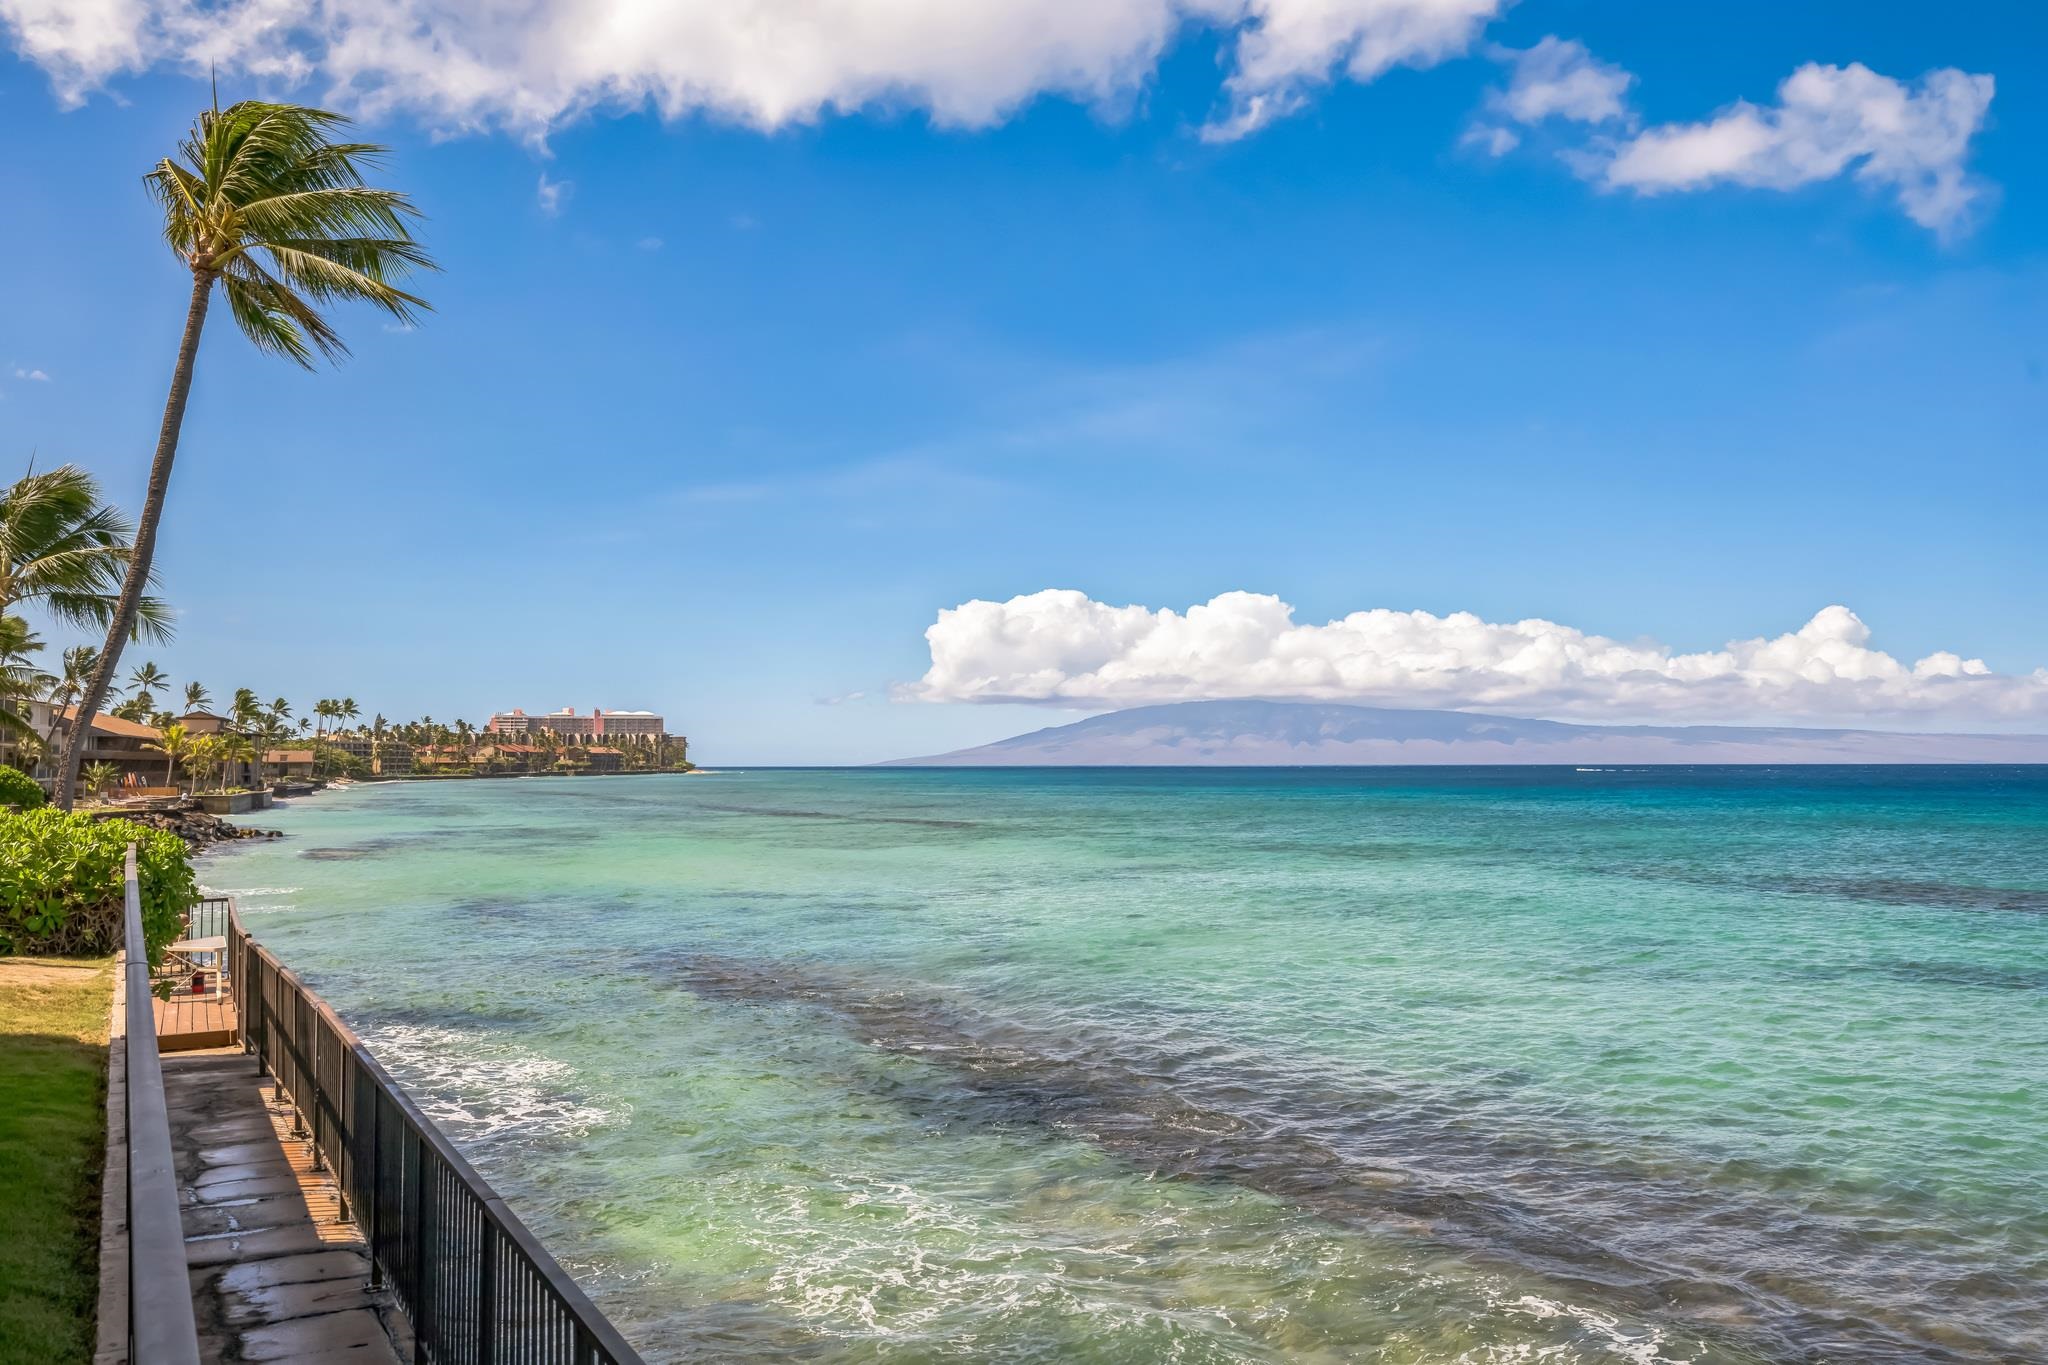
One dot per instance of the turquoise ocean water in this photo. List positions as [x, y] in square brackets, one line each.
[1215, 1065]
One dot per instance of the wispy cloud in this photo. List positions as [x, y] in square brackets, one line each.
[886, 478]
[650, 244]
[551, 195]
[33, 375]
[1059, 646]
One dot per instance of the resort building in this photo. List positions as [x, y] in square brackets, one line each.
[634, 727]
[387, 756]
[130, 747]
[288, 763]
[515, 758]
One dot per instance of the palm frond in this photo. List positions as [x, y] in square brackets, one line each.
[273, 180]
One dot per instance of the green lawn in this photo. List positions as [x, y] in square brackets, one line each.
[53, 1073]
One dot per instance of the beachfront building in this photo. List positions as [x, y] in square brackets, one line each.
[129, 746]
[386, 756]
[288, 763]
[511, 758]
[600, 726]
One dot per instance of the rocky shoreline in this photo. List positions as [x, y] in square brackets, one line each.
[199, 830]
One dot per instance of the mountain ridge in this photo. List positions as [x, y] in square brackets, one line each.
[1252, 733]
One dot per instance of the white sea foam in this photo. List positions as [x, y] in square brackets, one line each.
[1638, 1344]
[481, 1088]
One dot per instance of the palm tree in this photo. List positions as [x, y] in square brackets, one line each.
[235, 749]
[196, 696]
[174, 744]
[247, 713]
[264, 201]
[64, 551]
[145, 680]
[79, 661]
[100, 775]
[346, 708]
[20, 678]
[202, 753]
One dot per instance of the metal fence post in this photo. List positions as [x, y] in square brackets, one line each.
[487, 1294]
[374, 1233]
[423, 1312]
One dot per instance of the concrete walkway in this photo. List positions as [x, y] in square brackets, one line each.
[275, 1275]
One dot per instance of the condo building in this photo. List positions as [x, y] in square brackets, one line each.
[634, 727]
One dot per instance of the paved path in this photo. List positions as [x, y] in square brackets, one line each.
[275, 1276]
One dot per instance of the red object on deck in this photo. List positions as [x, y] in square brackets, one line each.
[199, 983]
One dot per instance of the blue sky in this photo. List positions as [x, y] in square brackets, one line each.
[722, 423]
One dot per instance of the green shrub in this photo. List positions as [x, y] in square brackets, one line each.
[61, 883]
[17, 788]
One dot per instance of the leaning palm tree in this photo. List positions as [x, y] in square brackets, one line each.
[265, 202]
[196, 696]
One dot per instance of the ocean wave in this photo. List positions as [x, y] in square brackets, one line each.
[483, 1089]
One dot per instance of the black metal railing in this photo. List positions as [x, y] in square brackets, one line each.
[476, 1286]
[209, 918]
[160, 1322]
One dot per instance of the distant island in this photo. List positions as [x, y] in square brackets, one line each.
[1263, 733]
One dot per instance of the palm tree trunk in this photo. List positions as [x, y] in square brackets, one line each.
[144, 550]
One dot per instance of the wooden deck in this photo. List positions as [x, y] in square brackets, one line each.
[185, 1024]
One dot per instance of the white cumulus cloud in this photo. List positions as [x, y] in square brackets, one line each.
[1559, 78]
[1059, 646]
[1913, 140]
[1287, 47]
[521, 65]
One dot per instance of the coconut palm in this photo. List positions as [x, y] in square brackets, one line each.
[196, 696]
[20, 677]
[174, 743]
[263, 200]
[63, 550]
[235, 749]
[247, 713]
[146, 680]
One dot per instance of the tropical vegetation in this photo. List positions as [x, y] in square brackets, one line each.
[266, 201]
[63, 553]
[62, 877]
[19, 790]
